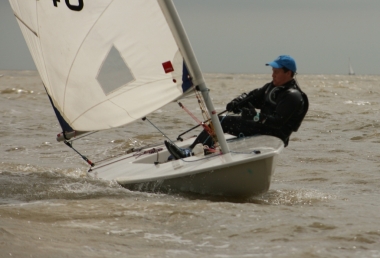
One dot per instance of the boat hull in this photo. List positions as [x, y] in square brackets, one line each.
[244, 172]
[239, 181]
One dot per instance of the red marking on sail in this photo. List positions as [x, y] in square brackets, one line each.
[168, 67]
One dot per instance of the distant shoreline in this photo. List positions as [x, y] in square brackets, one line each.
[9, 72]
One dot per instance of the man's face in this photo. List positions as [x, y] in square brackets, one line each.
[280, 77]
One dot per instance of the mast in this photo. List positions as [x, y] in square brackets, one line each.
[185, 46]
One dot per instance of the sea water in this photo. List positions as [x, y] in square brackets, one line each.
[324, 200]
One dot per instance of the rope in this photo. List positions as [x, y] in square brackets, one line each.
[151, 151]
[208, 128]
[205, 126]
[82, 136]
[145, 118]
[82, 156]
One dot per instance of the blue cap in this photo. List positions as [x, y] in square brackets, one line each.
[284, 61]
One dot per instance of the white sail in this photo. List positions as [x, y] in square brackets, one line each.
[105, 63]
[350, 69]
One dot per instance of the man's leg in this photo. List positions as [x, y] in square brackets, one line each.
[230, 124]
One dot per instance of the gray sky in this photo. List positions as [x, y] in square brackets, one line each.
[240, 36]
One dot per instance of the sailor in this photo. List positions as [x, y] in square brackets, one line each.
[282, 104]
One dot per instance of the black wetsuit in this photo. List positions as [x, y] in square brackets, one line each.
[282, 109]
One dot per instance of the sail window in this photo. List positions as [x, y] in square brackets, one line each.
[114, 73]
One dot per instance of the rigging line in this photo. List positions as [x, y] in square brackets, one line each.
[201, 104]
[200, 124]
[145, 118]
[82, 136]
[125, 158]
[257, 152]
[82, 156]
[205, 126]
[190, 114]
[206, 115]
[204, 158]
[126, 152]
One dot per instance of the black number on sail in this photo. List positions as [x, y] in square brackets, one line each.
[78, 7]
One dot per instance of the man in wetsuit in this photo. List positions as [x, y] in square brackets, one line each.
[282, 106]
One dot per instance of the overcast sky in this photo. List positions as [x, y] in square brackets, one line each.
[240, 36]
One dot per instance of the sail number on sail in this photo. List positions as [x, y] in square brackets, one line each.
[78, 7]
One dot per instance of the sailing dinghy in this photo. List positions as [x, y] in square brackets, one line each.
[99, 58]
[350, 69]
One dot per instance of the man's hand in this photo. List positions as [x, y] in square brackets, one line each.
[234, 105]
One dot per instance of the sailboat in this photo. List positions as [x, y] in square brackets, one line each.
[99, 58]
[350, 69]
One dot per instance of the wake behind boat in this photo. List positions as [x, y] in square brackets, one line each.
[108, 63]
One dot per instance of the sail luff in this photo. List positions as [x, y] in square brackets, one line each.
[188, 53]
[28, 23]
[29, 28]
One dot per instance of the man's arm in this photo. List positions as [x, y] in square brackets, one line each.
[257, 96]
[287, 109]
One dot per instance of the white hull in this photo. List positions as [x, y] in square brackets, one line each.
[246, 171]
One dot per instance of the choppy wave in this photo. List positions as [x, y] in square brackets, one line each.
[323, 199]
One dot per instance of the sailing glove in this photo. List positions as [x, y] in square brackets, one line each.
[235, 104]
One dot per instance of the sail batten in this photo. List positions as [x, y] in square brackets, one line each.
[102, 64]
[26, 25]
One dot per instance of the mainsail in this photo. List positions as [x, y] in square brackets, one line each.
[350, 69]
[105, 63]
